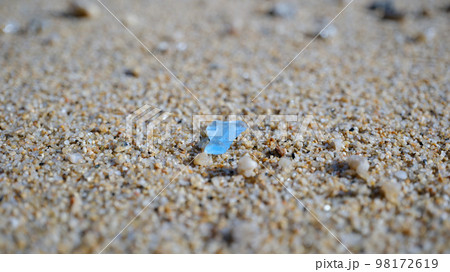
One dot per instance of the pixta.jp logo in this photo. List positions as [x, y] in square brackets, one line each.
[141, 126]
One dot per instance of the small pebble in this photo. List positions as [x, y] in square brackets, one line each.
[386, 10]
[83, 8]
[215, 66]
[282, 10]
[391, 191]
[280, 151]
[202, 159]
[425, 12]
[285, 163]
[337, 144]
[360, 165]
[163, 47]
[380, 5]
[401, 175]
[121, 147]
[328, 32]
[130, 20]
[233, 27]
[393, 15]
[133, 72]
[76, 204]
[75, 157]
[327, 208]
[10, 27]
[246, 166]
[181, 46]
[424, 36]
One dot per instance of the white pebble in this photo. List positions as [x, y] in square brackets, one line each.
[246, 166]
[181, 46]
[130, 20]
[75, 158]
[10, 27]
[163, 47]
[360, 165]
[391, 191]
[202, 159]
[284, 10]
[328, 32]
[337, 144]
[401, 175]
[284, 162]
[430, 33]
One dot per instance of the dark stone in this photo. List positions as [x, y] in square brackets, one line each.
[227, 237]
[386, 10]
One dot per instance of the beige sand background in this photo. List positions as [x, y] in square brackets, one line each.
[70, 180]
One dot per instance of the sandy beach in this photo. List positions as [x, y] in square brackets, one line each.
[375, 84]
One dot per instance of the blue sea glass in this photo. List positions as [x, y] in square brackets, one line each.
[222, 134]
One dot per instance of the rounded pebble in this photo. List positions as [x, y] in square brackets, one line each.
[202, 159]
[337, 144]
[401, 175]
[246, 166]
[285, 163]
[391, 191]
[75, 158]
[360, 165]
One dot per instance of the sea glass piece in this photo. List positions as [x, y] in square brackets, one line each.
[221, 135]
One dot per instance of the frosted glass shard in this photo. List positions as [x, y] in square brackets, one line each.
[222, 134]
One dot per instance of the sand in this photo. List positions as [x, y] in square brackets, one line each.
[70, 179]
